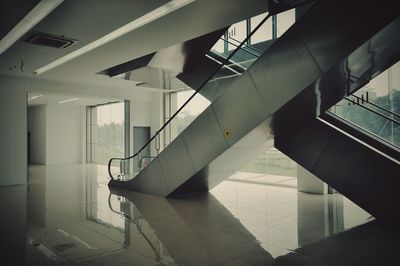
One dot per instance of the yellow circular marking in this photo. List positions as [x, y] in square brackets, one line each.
[227, 133]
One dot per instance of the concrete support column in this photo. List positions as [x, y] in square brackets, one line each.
[309, 183]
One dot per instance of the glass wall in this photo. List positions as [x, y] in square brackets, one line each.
[195, 107]
[107, 132]
[382, 96]
[264, 33]
[237, 32]
[260, 40]
[272, 167]
[284, 21]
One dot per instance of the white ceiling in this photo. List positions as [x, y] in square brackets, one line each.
[83, 20]
[88, 20]
[15, 11]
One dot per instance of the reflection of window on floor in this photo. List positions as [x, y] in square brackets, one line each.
[272, 167]
[106, 132]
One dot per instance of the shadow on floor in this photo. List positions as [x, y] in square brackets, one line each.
[368, 244]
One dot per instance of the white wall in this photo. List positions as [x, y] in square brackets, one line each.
[13, 116]
[64, 139]
[147, 114]
[13, 136]
[156, 120]
[140, 114]
[37, 128]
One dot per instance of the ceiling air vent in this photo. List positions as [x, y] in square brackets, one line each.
[49, 40]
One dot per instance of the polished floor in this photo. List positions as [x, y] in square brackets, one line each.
[68, 216]
[264, 179]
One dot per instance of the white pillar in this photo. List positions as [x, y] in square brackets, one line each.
[309, 183]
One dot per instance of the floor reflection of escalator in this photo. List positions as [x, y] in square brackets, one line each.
[243, 224]
[199, 230]
[56, 221]
[135, 220]
[122, 222]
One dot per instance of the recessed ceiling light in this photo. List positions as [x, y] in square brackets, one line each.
[137, 23]
[69, 100]
[40, 11]
[34, 97]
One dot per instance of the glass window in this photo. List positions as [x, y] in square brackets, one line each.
[195, 107]
[107, 132]
[383, 90]
[218, 46]
[384, 98]
[395, 77]
[237, 32]
[264, 33]
[272, 167]
[284, 21]
[377, 87]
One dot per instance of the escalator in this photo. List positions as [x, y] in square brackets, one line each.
[316, 63]
[226, 66]
[349, 154]
[338, 134]
[355, 168]
[231, 68]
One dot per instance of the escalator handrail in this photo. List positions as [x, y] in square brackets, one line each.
[190, 98]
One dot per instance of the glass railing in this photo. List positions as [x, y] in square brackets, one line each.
[231, 64]
[367, 116]
[242, 59]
